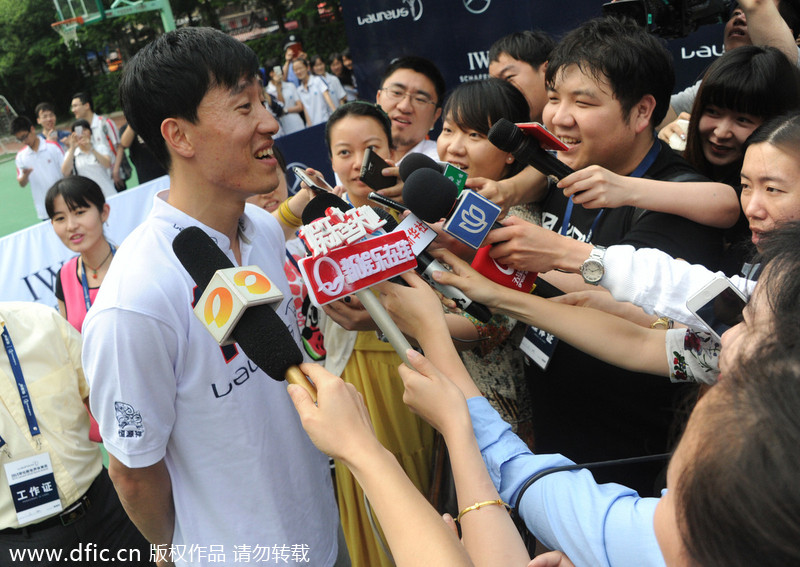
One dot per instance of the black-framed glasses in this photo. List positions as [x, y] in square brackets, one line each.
[21, 139]
[418, 100]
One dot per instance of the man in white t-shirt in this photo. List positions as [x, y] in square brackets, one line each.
[206, 450]
[104, 131]
[38, 162]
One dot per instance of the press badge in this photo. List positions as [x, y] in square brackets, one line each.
[539, 346]
[33, 488]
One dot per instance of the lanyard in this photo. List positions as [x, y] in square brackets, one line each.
[24, 395]
[85, 284]
[640, 170]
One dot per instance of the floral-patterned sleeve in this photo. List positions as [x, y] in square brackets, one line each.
[693, 356]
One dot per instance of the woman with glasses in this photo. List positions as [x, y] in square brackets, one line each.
[411, 93]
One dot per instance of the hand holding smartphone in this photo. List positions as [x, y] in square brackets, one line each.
[316, 183]
[719, 305]
[371, 169]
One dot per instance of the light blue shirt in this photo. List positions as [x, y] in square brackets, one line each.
[593, 524]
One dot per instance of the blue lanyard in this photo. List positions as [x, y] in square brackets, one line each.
[24, 395]
[640, 170]
[293, 261]
[85, 284]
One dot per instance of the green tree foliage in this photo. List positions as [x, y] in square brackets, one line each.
[323, 40]
[34, 64]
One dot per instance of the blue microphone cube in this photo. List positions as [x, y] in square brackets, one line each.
[472, 218]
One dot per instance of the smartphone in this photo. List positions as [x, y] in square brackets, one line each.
[546, 139]
[316, 183]
[79, 130]
[371, 169]
[719, 305]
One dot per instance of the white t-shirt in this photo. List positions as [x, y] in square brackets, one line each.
[46, 164]
[88, 166]
[426, 147]
[335, 88]
[316, 109]
[291, 122]
[243, 470]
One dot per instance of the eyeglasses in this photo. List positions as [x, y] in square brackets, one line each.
[21, 139]
[418, 100]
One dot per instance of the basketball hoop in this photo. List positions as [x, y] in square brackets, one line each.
[68, 29]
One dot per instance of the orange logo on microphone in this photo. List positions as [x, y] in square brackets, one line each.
[260, 286]
[225, 307]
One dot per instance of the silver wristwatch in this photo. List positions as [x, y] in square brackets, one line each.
[592, 268]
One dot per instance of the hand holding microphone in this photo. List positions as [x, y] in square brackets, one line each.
[426, 264]
[509, 137]
[338, 270]
[259, 332]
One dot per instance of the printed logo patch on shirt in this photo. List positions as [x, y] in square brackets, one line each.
[129, 421]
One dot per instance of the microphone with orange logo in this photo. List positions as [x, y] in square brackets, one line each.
[235, 307]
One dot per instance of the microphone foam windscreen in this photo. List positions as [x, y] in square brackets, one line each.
[264, 338]
[199, 255]
[415, 161]
[260, 333]
[505, 135]
[318, 205]
[429, 194]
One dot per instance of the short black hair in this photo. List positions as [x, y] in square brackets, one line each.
[477, 105]
[44, 107]
[21, 123]
[171, 75]
[84, 97]
[77, 191]
[80, 122]
[618, 51]
[532, 47]
[422, 66]
[783, 132]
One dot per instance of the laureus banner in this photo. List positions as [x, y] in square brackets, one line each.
[457, 34]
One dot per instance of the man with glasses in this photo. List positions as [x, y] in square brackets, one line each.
[39, 162]
[411, 93]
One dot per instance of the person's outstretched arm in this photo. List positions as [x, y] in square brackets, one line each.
[600, 334]
[709, 203]
[339, 425]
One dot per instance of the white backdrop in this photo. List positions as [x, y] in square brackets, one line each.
[31, 258]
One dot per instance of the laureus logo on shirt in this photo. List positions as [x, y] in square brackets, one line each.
[129, 420]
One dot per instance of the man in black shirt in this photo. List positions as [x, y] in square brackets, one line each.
[609, 85]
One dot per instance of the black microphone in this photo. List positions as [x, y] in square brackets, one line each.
[317, 206]
[508, 137]
[415, 161]
[260, 332]
[431, 196]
